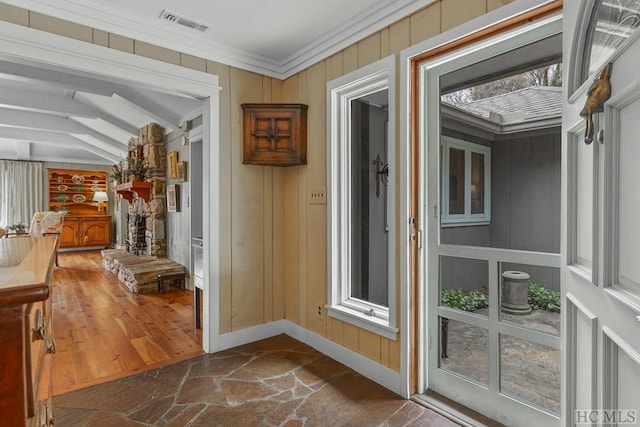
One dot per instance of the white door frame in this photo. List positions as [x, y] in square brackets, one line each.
[476, 25]
[501, 14]
[25, 45]
[488, 402]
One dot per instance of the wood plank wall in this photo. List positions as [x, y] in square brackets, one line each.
[275, 264]
[305, 235]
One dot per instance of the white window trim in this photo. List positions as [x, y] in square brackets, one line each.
[466, 219]
[372, 78]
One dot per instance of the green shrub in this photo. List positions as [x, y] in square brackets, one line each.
[457, 298]
[543, 298]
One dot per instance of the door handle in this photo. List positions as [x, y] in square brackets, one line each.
[382, 174]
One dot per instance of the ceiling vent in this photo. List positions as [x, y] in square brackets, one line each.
[181, 20]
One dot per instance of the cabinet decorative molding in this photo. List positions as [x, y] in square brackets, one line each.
[275, 134]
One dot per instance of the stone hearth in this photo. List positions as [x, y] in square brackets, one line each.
[138, 273]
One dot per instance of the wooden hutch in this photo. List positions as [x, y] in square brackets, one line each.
[86, 223]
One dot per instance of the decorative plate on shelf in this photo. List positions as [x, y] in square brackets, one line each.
[77, 179]
[78, 188]
[78, 198]
[61, 198]
[62, 187]
[96, 188]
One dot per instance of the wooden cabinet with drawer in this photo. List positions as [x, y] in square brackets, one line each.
[85, 231]
[26, 335]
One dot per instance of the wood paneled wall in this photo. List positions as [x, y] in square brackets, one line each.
[275, 265]
[306, 225]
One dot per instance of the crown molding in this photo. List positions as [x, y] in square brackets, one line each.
[375, 19]
[157, 33]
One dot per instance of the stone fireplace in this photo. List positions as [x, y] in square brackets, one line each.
[149, 147]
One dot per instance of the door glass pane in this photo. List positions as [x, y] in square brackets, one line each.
[530, 372]
[530, 297]
[456, 181]
[477, 183]
[369, 231]
[463, 284]
[613, 24]
[464, 350]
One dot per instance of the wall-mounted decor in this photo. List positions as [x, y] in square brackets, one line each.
[275, 134]
[172, 164]
[182, 171]
[172, 197]
[598, 93]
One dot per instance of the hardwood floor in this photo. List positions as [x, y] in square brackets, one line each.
[103, 332]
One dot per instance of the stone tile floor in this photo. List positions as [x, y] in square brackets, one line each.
[274, 382]
[529, 371]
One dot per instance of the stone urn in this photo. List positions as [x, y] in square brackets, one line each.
[515, 292]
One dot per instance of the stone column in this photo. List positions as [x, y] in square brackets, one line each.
[150, 144]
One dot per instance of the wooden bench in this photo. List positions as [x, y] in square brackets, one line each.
[169, 278]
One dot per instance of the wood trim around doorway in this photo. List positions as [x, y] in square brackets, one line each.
[414, 163]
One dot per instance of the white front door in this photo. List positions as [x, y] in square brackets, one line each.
[601, 217]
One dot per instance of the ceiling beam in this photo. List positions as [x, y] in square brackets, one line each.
[163, 116]
[46, 103]
[120, 145]
[39, 121]
[49, 122]
[28, 135]
[23, 150]
[101, 113]
[50, 78]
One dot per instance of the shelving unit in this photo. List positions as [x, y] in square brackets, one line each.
[72, 190]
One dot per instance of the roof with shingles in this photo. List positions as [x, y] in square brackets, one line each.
[528, 104]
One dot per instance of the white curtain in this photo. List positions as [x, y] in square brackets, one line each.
[21, 191]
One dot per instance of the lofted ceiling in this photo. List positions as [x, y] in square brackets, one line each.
[62, 116]
[52, 115]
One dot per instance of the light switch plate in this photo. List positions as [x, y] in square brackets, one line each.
[318, 195]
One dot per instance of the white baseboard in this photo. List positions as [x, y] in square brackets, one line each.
[376, 372]
[251, 334]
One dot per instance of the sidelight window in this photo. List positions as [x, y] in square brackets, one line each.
[361, 197]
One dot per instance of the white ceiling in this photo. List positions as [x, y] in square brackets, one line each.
[60, 116]
[276, 38]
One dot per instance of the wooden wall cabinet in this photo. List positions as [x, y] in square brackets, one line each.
[86, 230]
[274, 134]
[26, 336]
